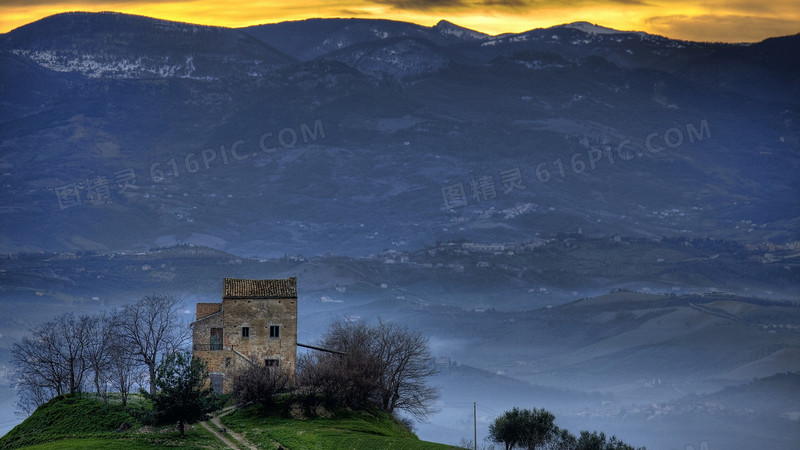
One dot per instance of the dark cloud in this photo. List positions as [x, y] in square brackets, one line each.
[751, 7]
[79, 4]
[513, 4]
[535, 4]
[728, 28]
[423, 5]
[345, 12]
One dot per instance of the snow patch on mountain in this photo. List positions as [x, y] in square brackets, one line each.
[537, 64]
[398, 60]
[507, 39]
[93, 66]
[380, 34]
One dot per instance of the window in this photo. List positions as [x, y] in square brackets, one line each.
[274, 331]
[217, 381]
[216, 339]
[271, 362]
[245, 332]
[227, 362]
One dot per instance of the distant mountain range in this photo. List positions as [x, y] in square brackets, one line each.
[122, 132]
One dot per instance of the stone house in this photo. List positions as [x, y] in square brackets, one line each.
[256, 322]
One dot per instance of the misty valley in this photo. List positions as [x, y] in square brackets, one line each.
[635, 354]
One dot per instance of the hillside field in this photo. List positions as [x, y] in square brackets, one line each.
[80, 422]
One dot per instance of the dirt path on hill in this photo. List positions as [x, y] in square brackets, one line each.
[238, 437]
[222, 438]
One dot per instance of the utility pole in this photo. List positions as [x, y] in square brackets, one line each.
[475, 423]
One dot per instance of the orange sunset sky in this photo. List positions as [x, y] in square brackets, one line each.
[712, 20]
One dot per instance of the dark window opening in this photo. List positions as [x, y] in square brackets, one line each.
[245, 332]
[217, 380]
[216, 339]
[274, 331]
[271, 362]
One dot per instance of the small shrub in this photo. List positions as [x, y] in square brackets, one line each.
[406, 422]
[259, 385]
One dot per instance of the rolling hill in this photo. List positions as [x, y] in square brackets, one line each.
[352, 136]
[62, 423]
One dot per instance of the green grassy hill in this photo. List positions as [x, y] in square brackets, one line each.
[77, 422]
[344, 429]
[81, 422]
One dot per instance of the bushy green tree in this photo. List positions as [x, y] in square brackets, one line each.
[536, 429]
[507, 429]
[539, 427]
[598, 441]
[183, 394]
[561, 439]
[524, 428]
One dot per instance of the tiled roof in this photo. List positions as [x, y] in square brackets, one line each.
[233, 288]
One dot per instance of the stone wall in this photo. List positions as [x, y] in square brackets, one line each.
[238, 351]
[201, 331]
[258, 316]
[205, 309]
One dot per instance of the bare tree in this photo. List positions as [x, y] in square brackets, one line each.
[40, 375]
[349, 378]
[385, 364]
[60, 354]
[98, 350]
[125, 370]
[53, 361]
[69, 346]
[153, 330]
[30, 395]
[469, 444]
[405, 366]
[259, 384]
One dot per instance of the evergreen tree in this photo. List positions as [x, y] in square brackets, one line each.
[183, 394]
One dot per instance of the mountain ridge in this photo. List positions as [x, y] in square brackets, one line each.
[381, 128]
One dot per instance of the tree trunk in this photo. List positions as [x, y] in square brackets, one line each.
[97, 383]
[71, 376]
[181, 428]
[97, 386]
[151, 367]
